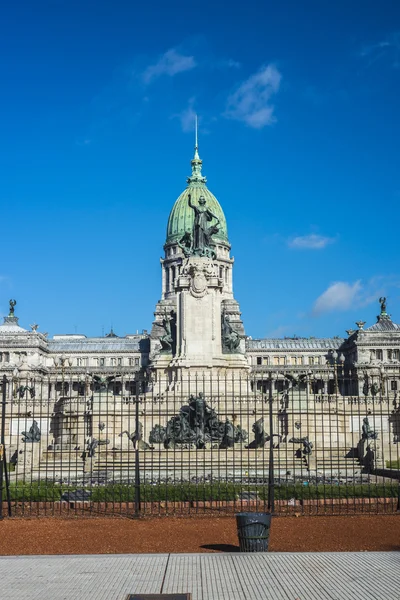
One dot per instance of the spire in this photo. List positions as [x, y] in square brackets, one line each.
[197, 163]
[196, 142]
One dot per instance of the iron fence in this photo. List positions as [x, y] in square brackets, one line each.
[119, 444]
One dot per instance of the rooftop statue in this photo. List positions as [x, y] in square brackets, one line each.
[382, 302]
[202, 230]
[12, 307]
[102, 383]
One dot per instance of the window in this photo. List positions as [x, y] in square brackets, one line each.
[311, 360]
[113, 362]
[81, 362]
[137, 362]
[393, 386]
[379, 355]
[259, 360]
[276, 360]
[120, 362]
[102, 362]
[293, 360]
[265, 360]
[395, 354]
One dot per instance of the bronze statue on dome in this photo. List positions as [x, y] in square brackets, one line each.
[12, 307]
[202, 231]
[382, 301]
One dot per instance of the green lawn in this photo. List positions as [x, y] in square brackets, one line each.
[188, 492]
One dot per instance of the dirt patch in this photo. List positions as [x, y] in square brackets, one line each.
[205, 534]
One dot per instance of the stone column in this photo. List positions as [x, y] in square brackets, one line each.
[163, 290]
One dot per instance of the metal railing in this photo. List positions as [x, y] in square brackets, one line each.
[207, 444]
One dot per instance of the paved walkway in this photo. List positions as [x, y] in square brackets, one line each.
[277, 576]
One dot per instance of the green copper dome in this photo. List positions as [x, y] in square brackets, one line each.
[182, 216]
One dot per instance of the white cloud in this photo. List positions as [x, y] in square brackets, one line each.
[339, 296]
[250, 103]
[343, 296]
[229, 63]
[187, 117]
[310, 242]
[171, 63]
[387, 50]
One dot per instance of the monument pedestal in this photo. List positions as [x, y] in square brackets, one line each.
[205, 350]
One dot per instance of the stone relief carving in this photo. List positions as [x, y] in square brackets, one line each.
[199, 273]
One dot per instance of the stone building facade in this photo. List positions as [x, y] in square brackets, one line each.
[83, 391]
[194, 317]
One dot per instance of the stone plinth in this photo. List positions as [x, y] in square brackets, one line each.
[198, 352]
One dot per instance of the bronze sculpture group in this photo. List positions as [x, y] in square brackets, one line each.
[196, 425]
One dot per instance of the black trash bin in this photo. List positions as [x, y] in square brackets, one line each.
[253, 531]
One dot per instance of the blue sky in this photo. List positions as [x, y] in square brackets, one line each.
[299, 134]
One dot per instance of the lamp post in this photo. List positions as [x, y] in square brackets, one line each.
[3, 461]
[271, 483]
[337, 360]
[382, 378]
[62, 363]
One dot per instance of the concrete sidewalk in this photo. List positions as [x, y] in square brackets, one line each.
[278, 576]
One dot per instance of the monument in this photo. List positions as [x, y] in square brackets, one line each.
[197, 331]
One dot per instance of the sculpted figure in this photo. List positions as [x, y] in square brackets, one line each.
[102, 383]
[228, 441]
[33, 435]
[22, 389]
[382, 302]
[260, 437]
[12, 307]
[307, 445]
[185, 244]
[230, 337]
[167, 339]
[202, 232]
[374, 389]
[137, 439]
[91, 445]
[197, 424]
[367, 432]
[157, 435]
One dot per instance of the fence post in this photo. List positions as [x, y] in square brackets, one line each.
[271, 483]
[137, 437]
[2, 440]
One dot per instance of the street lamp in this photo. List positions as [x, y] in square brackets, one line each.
[62, 363]
[337, 360]
[382, 378]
